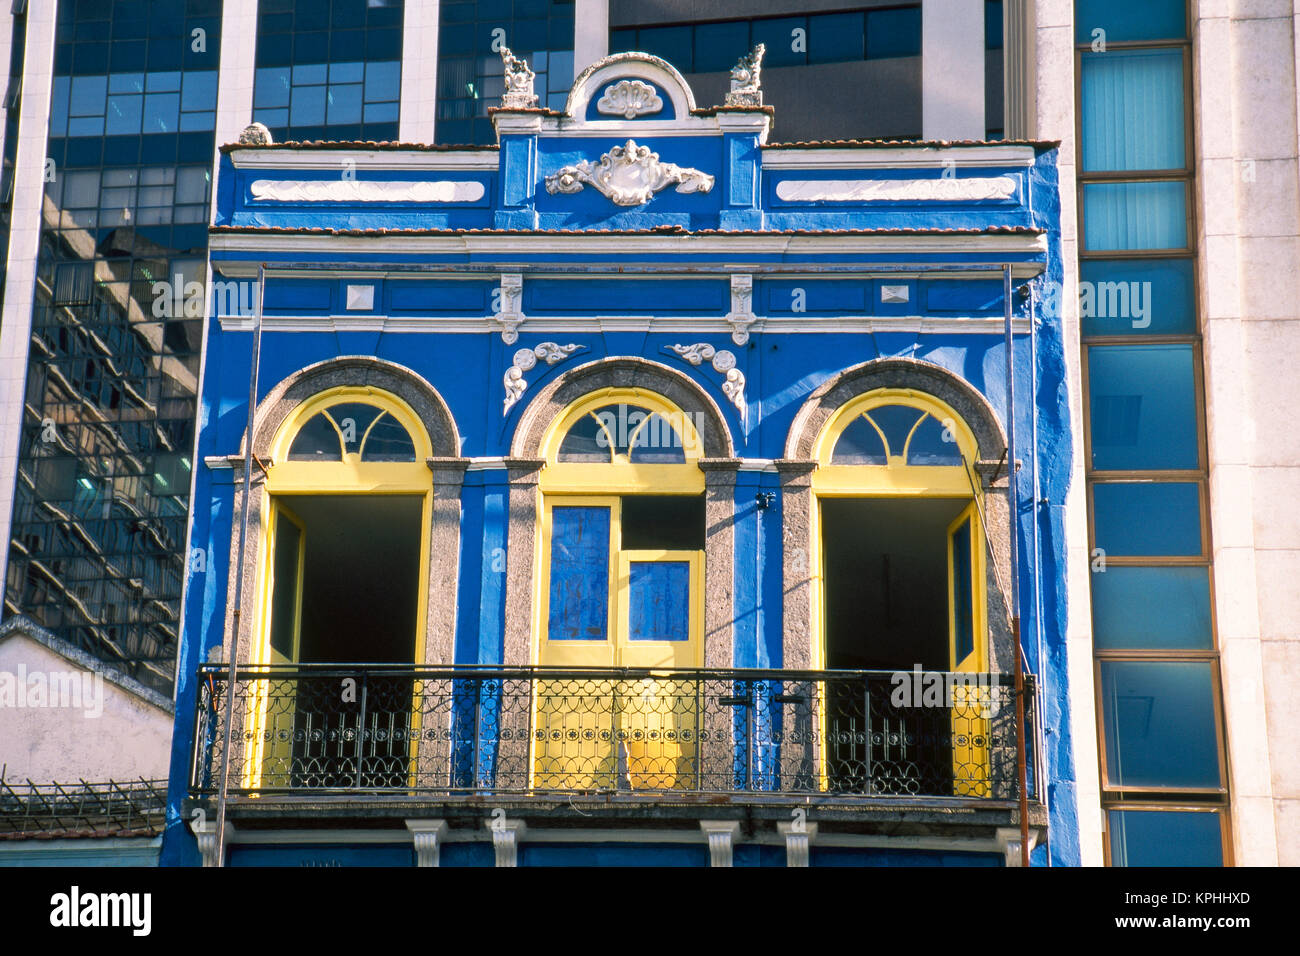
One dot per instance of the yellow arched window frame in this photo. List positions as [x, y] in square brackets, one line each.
[909, 444]
[367, 424]
[607, 600]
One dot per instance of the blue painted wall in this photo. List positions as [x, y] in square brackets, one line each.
[781, 369]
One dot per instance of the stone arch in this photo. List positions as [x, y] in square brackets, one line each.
[908, 373]
[525, 464]
[356, 371]
[624, 372]
[642, 66]
[446, 477]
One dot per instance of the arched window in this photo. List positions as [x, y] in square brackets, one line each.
[620, 585]
[900, 572]
[346, 523]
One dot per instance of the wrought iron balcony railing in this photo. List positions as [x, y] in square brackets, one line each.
[335, 729]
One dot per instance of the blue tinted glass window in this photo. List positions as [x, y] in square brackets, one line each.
[162, 112]
[893, 33]
[1135, 216]
[271, 87]
[622, 41]
[1165, 838]
[673, 44]
[659, 600]
[1142, 402]
[344, 103]
[992, 24]
[1156, 608]
[200, 91]
[1147, 519]
[859, 444]
[932, 444]
[1159, 724]
[308, 106]
[963, 603]
[383, 81]
[784, 46]
[1123, 20]
[719, 45]
[1132, 110]
[1137, 297]
[586, 440]
[579, 581]
[124, 114]
[835, 37]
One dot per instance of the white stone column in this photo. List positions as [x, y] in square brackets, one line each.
[590, 33]
[419, 107]
[952, 69]
[28, 212]
[238, 59]
[798, 838]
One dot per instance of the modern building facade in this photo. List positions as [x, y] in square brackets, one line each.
[1179, 223]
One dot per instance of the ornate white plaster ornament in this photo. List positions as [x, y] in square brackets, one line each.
[255, 134]
[746, 79]
[723, 362]
[742, 315]
[511, 314]
[525, 360]
[519, 93]
[629, 99]
[896, 190]
[357, 190]
[628, 175]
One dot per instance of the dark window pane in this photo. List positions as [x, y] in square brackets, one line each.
[662, 522]
[932, 444]
[893, 33]
[388, 441]
[657, 441]
[785, 40]
[719, 45]
[1142, 402]
[992, 24]
[963, 594]
[1165, 838]
[896, 422]
[579, 574]
[1159, 724]
[835, 37]
[1157, 608]
[1147, 519]
[316, 441]
[586, 440]
[859, 444]
[670, 43]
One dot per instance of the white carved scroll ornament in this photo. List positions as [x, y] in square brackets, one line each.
[628, 175]
[723, 362]
[511, 314]
[525, 360]
[629, 99]
[742, 315]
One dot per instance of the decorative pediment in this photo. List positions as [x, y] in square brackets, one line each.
[628, 175]
[630, 99]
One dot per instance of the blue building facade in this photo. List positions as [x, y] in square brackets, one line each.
[632, 492]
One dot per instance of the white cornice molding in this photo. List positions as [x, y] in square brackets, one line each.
[527, 245]
[459, 325]
[900, 157]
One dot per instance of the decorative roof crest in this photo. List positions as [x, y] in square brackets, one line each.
[519, 93]
[630, 99]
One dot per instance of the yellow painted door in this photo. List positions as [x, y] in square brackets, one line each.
[660, 619]
[971, 698]
[274, 708]
[607, 608]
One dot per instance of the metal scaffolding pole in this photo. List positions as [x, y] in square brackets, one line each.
[239, 576]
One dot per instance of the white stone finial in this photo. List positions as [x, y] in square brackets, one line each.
[255, 134]
[519, 93]
[745, 79]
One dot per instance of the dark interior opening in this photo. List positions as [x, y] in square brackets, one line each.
[360, 577]
[361, 574]
[668, 522]
[886, 573]
[886, 567]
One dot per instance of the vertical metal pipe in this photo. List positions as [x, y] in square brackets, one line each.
[1013, 508]
[239, 576]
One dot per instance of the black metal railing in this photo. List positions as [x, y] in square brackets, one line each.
[116, 807]
[476, 730]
